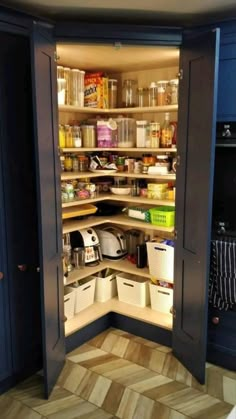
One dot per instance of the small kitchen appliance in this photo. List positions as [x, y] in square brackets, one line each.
[113, 242]
[88, 239]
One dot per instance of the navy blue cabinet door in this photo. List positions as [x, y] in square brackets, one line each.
[49, 203]
[196, 143]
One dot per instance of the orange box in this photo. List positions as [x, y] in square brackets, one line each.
[96, 90]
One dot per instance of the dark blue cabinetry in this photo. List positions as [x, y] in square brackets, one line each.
[227, 79]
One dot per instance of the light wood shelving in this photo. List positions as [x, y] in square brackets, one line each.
[124, 150]
[79, 175]
[97, 111]
[97, 310]
[119, 198]
[72, 225]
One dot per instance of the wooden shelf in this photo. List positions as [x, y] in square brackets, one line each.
[123, 265]
[92, 221]
[128, 149]
[146, 109]
[97, 310]
[119, 198]
[79, 175]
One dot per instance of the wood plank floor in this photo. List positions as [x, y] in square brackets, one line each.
[119, 375]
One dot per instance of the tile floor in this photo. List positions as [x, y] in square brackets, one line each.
[119, 375]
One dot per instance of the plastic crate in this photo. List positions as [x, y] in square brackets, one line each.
[163, 216]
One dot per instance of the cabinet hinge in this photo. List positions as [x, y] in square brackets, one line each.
[181, 74]
[176, 234]
[56, 57]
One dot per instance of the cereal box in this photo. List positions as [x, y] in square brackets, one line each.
[96, 90]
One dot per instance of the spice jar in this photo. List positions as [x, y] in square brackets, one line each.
[68, 136]
[120, 163]
[83, 163]
[68, 163]
[129, 93]
[75, 163]
[76, 133]
[62, 137]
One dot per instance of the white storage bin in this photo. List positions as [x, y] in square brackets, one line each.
[161, 298]
[106, 288]
[161, 261]
[84, 294]
[69, 302]
[133, 289]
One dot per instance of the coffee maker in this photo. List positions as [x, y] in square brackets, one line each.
[88, 239]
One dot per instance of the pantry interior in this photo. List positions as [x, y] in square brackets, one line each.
[146, 65]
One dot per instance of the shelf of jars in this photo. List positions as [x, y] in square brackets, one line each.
[81, 175]
[123, 220]
[122, 150]
[133, 110]
[119, 198]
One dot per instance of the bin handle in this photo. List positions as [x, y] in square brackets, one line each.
[112, 279]
[68, 299]
[129, 285]
[163, 292]
[160, 248]
[84, 289]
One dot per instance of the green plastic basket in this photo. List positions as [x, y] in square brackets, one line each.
[163, 216]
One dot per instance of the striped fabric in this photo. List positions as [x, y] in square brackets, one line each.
[222, 285]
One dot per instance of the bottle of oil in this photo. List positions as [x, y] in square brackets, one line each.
[166, 132]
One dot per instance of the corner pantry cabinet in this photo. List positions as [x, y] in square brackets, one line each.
[196, 133]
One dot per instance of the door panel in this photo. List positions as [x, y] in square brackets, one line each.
[196, 143]
[50, 228]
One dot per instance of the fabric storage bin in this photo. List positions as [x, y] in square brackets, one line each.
[133, 289]
[84, 294]
[106, 287]
[69, 302]
[161, 261]
[161, 298]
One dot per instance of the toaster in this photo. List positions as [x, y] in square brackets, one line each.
[113, 242]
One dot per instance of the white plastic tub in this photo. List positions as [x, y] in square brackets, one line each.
[69, 302]
[161, 261]
[106, 288]
[133, 289]
[84, 294]
[161, 298]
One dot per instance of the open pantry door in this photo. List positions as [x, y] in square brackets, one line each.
[49, 202]
[196, 149]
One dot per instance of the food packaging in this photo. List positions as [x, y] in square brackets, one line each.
[96, 90]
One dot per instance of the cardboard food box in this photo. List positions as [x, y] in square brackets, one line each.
[96, 90]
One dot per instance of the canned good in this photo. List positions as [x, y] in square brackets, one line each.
[138, 167]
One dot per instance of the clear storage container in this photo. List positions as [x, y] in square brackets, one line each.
[174, 91]
[152, 94]
[162, 92]
[126, 132]
[141, 132]
[112, 93]
[77, 87]
[68, 89]
[88, 136]
[129, 93]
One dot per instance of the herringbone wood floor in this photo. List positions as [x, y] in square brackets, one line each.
[119, 375]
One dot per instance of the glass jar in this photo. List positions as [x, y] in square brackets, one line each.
[166, 132]
[60, 72]
[81, 88]
[77, 138]
[88, 136]
[67, 87]
[162, 92]
[75, 81]
[62, 137]
[112, 93]
[152, 94]
[155, 134]
[68, 136]
[174, 91]
[141, 132]
[126, 132]
[83, 163]
[141, 96]
[129, 93]
[75, 163]
[68, 163]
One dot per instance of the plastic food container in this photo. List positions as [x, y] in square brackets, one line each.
[112, 93]
[88, 136]
[126, 132]
[162, 92]
[129, 93]
[174, 91]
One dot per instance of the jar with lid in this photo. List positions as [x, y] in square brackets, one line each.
[129, 93]
[75, 163]
[68, 136]
[174, 91]
[62, 136]
[162, 92]
[68, 88]
[68, 163]
[141, 96]
[112, 93]
[141, 132]
[77, 87]
[163, 163]
[166, 132]
[88, 136]
[126, 132]
[155, 134]
[83, 163]
[77, 138]
[152, 94]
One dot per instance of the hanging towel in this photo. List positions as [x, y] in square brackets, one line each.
[222, 284]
